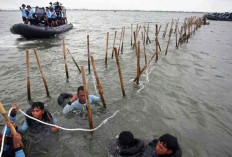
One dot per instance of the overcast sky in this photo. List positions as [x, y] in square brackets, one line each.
[163, 5]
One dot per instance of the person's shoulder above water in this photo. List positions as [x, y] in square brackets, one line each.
[166, 146]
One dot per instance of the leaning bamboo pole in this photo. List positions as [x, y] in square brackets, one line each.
[138, 63]
[88, 53]
[7, 120]
[144, 48]
[87, 97]
[65, 61]
[170, 34]
[123, 39]
[107, 47]
[115, 34]
[145, 66]
[131, 34]
[157, 43]
[74, 61]
[28, 76]
[120, 41]
[41, 72]
[98, 81]
[119, 72]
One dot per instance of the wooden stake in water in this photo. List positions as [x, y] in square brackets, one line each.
[170, 34]
[98, 81]
[157, 43]
[120, 41]
[144, 49]
[88, 53]
[7, 120]
[137, 77]
[65, 61]
[119, 71]
[115, 34]
[131, 34]
[74, 60]
[107, 44]
[165, 31]
[28, 76]
[123, 39]
[41, 72]
[87, 97]
[138, 63]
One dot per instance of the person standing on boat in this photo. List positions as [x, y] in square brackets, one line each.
[53, 16]
[52, 6]
[30, 13]
[24, 15]
[48, 17]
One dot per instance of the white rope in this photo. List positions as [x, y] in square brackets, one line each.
[94, 82]
[75, 129]
[4, 134]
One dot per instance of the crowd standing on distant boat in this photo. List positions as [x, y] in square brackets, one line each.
[219, 16]
[52, 16]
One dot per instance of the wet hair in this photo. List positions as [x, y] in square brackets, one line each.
[126, 139]
[170, 142]
[80, 88]
[38, 104]
[23, 5]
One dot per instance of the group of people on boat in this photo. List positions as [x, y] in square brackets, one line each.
[124, 145]
[51, 16]
[219, 16]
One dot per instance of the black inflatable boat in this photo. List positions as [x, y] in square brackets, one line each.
[39, 31]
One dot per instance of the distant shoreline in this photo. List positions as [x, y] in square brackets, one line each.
[119, 10]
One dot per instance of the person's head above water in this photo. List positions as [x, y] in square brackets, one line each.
[166, 145]
[81, 94]
[37, 110]
[126, 139]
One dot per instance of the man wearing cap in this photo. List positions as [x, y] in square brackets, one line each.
[24, 15]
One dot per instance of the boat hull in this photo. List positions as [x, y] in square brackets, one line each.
[33, 31]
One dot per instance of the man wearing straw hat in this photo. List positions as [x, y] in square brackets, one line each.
[77, 102]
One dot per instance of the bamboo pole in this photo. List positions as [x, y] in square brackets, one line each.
[41, 72]
[7, 120]
[156, 41]
[107, 44]
[87, 97]
[144, 48]
[148, 39]
[120, 41]
[159, 29]
[98, 81]
[137, 77]
[74, 60]
[28, 76]
[88, 53]
[65, 61]
[165, 31]
[131, 34]
[115, 34]
[123, 39]
[176, 37]
[135, 43]
[170, 34]
[138, 63]
[119, 72]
